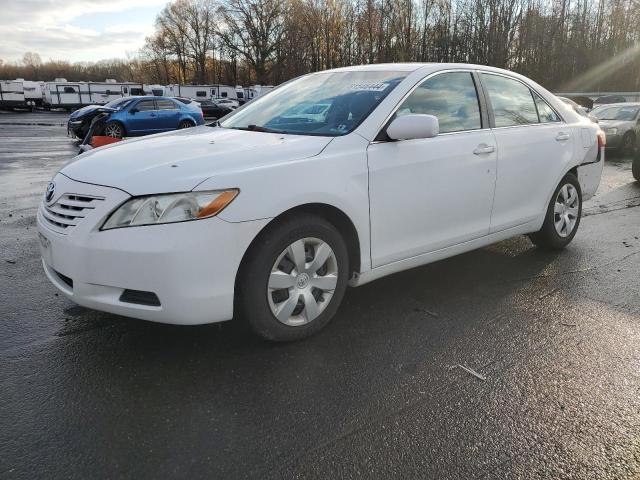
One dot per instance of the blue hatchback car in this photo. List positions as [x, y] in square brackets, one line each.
[131, 116]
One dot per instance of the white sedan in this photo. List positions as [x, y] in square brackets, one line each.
[269, 219]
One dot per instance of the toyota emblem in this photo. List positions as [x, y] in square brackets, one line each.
[51, 189]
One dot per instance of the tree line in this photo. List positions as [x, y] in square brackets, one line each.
[565, 45]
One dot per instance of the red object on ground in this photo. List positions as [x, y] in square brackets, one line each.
[99, 141]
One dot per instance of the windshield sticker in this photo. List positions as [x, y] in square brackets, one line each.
[369, 87]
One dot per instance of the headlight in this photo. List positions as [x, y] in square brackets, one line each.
[169, 208]
[610, 130]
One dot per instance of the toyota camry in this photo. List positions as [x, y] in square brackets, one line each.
[268, 217]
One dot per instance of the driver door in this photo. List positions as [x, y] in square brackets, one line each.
[432, 193]
[142, 117]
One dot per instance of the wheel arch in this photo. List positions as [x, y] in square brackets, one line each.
[332, 214]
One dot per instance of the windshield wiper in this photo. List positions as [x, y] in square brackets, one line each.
[258, 128]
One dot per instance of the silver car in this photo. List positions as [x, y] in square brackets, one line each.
[621, 123]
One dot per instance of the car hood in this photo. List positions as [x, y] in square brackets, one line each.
[88, 110]
[180, 160]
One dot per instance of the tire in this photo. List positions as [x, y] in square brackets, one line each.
[558, 230]
[113, 129]
[186, 124]
[635, 167]
[303, 308]
[628, 144]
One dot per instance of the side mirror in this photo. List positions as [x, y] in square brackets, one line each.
[408, 127]
[133, 110]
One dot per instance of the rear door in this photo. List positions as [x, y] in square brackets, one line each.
[168, 114]
[534, 147]
[143, 118]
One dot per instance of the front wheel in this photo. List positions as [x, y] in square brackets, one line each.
[628, 144]
[293, 279]
[563, 216]
[114, 130]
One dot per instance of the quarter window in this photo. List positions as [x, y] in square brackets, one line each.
[451, 97]
[145, 105]
[511, 101]
[545, 113]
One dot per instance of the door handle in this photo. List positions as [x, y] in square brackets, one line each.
[483, 148]
[561, 137]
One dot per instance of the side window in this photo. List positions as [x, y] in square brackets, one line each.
[511, 101]
[69, 90]
[223, 94]
[546, 114]
[451, 97]
[145, 105]
[166, 105]
[125, 90]
[201, 93]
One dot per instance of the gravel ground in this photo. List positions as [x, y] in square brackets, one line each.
[554, 339]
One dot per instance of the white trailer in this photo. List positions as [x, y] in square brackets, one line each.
[202, 92]
[255, 91]
[12, 93]
[33, 92]
[69, 95]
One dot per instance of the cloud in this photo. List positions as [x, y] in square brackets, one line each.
[45, 27]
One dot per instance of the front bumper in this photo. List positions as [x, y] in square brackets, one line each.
[190, 266]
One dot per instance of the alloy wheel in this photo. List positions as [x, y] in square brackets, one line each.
[113, 130]
[302, 281]
[566, 210]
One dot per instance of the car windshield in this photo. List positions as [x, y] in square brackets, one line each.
[119, 103]
[616, 113]
[326, 104]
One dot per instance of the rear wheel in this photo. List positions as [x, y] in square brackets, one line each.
[114, 130]
[563, 216]
[186, 124]
[293, 279]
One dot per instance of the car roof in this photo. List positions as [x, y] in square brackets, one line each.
[413, 66]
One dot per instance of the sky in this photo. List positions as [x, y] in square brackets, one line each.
[75, 30]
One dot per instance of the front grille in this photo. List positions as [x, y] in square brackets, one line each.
[69, 209]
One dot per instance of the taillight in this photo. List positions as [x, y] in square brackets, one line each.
[602, 139]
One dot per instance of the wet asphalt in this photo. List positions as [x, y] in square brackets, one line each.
[554, 339]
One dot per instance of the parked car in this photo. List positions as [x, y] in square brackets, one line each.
[621, 123]
[580, 110]
[270, 221]
[315, 112]
[609, 99]
[144, 115]
[213, 109]
[80, 120]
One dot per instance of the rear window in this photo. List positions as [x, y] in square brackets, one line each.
[166, 105]
[511, 100]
